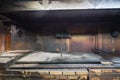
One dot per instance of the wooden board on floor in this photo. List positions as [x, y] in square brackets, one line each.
[62, 66]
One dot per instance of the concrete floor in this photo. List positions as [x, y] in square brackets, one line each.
[67, 57]
[55, 57]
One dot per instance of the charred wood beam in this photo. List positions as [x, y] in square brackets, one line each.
[53, 62]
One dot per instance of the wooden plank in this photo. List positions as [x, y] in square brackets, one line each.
[8, 59]
[2, 38]
[19, 51]
[82, 43]
[7, 39]
[106, 62]
[61, 66]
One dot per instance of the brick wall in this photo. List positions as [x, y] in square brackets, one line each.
[79, 74]
[64, 74]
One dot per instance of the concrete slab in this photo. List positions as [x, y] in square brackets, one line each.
[55, 57]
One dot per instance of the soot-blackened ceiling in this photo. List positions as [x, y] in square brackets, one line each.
[64, 18]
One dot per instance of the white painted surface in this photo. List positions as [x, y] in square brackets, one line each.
[66, 5]
[74, 4]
